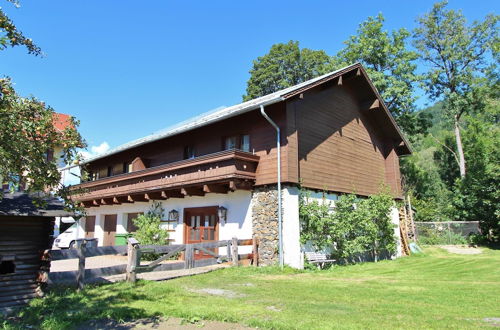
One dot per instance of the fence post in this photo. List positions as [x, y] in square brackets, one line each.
[80, 276]
[235, 251]
[255, 251]
[228, 251]
[132, 259]
[189, 257]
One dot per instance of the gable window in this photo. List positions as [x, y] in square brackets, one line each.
[241, 142]
[189, 152]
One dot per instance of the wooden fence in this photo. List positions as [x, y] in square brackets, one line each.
[134, 251]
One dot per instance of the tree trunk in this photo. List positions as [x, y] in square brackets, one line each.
[460, 149]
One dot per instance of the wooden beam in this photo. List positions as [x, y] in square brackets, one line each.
[216, 188]
[240, 185]
[358, 72]
[371, 104]
[173, 193]
[192, 191]
[95, 203]
[155, 195]
[121, 199]
[137, 198]
[339, 82]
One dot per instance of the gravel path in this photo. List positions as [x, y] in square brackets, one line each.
[170, 274]
[90, 263]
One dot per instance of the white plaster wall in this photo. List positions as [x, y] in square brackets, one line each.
[239, 221]
[291, 228]
[397, 232]
[321, 197]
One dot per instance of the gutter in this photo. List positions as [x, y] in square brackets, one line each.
[278, 146]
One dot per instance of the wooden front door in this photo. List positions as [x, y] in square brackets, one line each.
[201, 225]
[89, 226]
[109, 230]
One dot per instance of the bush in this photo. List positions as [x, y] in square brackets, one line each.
[435, 236]
[149, 231]
[353, 227]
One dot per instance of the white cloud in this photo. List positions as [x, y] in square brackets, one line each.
[95, 150]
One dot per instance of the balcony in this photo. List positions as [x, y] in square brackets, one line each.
[219, 172]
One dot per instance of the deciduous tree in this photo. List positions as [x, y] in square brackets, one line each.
[390, 65]
[285, 65]
[27, 131]
[456, 54]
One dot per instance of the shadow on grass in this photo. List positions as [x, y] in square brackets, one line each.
[65, 308]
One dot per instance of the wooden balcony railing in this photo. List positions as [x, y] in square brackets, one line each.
[218, 172]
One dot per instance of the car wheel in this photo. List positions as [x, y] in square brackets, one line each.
[72, 245]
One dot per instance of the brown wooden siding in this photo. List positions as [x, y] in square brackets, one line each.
[208, 140]
[338, 148]
[22, 242]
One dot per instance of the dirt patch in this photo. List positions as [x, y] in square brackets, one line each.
[494, 321]
[461, 249]
[161, 324]
[220, 292]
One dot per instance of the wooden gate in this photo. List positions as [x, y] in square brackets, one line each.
[109, 230]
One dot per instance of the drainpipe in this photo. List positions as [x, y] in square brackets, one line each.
[278, 146]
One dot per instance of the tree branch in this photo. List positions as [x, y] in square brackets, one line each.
[444, 145]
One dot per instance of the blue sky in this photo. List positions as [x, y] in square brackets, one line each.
[126, 69]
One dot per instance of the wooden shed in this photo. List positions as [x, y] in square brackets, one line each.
[25, 233]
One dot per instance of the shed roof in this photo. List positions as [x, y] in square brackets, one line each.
[21, 204]
[224, 113]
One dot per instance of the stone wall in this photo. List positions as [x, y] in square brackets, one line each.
[265, 223]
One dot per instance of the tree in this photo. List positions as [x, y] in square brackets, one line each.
[391, 66]
[456, 54]
[478, 194]
[11, 36]
[27, 132]
[285, 65]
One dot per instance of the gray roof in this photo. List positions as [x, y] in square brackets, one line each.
[21, 204]
[216, 115]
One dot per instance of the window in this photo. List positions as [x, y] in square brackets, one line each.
[230, 143]
[245, 143]
[189, 152]
[241, 142]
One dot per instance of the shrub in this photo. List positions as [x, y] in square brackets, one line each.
[353, 227]
[149, 231]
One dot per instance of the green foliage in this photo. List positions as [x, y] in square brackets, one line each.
[390, 65]
[478, 194]
[11, 36]
[440, 236]
[27, 133]
[149, 231]
[285, 65]
[354, 225]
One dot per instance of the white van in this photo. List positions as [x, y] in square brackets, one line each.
[68, 238]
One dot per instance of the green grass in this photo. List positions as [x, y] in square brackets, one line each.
[435, 290]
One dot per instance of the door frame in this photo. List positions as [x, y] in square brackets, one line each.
[198, 209]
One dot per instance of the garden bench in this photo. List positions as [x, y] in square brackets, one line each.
[318, 258]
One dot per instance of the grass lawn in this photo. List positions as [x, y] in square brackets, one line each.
[435, 290]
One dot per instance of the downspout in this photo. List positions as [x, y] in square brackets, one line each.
[278, 146]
